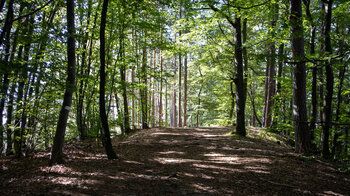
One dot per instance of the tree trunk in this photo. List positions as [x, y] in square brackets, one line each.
[314, 69]
[106, 138]
[133, 98]
[302, 136]
[153, 103]
[6, 31]
[174, 107]
[81, 95]
[8, 23]
[185, 91]
[57, 148]
[126, 117]
[239, 79]
[179, 80]
[327, 111]
[161, 91]
[166, 104]
[143, 90]
[17, 132]
[233, 98]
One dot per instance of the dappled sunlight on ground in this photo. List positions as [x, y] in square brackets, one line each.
[169, 161]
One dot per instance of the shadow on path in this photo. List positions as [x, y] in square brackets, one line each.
[171, 161]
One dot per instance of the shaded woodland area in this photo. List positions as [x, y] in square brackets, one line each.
[80, 76]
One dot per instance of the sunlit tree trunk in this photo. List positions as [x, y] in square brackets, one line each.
[57, 148]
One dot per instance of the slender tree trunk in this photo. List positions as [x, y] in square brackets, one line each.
[174, 106]
[199, 105]
[233, 98]
[185, 91]
[252, 99]
[239, 79]
[280, 66]
[179, 80]
[106, 138]
[302, 136]
[337, 113]
[271, 72]
[81, 94]
[133, 98]
[123, 71]
[143, 90]
[166, 104]
[245, 56]
[8, 22]
[161, 91]
[314, 69]
[153, 103]
[9, 120]
[20, 104]
[6, 31]
[327, 111]
[57, 148]
[2, 4]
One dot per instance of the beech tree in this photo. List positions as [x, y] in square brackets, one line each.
[57, 148]
[106, 138]
[302, 135]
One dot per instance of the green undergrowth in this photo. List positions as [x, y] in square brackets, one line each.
[257, 133]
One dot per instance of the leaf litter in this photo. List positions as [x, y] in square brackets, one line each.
[175, 161]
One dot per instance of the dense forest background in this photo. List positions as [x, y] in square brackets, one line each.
[97, 69]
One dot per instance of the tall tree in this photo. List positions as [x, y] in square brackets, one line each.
[106, 138]
[143, 89]
[239, 79]
[271, 83]
[302, 136]
[314, 68]
[327, 111]
[57, 148]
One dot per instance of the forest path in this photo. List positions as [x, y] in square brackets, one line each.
[173, 161]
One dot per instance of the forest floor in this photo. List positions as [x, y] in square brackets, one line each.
[171, 161]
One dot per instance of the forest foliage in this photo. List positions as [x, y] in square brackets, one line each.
[175, 63]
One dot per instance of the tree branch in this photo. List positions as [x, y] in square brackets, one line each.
[247, 8]
[32, 12]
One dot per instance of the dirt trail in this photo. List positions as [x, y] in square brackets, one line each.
[166, 161]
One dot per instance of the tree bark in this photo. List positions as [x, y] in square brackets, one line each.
[9, 120]
[153, 103]
[81, 95]
[143, 90]
[106, 138]
[302, 136]
[8, 22]
[314, 69]
[239, 79]
[57, 148]
[179, 80]
[161, 91]
[185, 91]
[327, 111]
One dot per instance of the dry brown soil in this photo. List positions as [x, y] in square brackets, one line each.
[169, 161]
